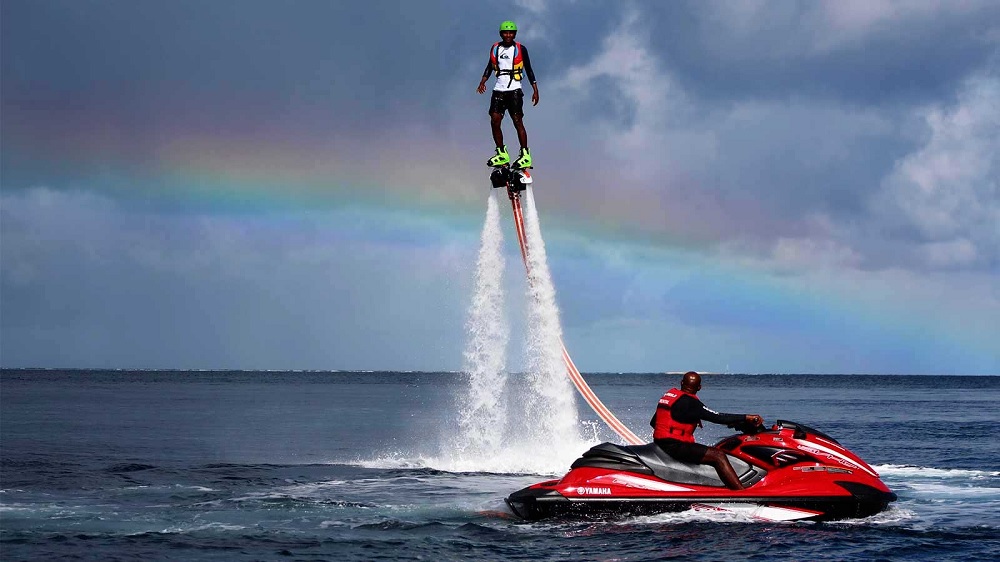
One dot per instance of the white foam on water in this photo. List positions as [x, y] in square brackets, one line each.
[689, 516]
[313, 488]
[910, 471]
[931, 496]
[184, 529]
[951, 490]
[512, 458]
[892, 516]
[18, 508]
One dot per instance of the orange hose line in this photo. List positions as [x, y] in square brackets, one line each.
[574, 374]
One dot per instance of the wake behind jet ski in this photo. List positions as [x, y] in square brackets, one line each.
[789, 472]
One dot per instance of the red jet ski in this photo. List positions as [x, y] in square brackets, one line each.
[790, 472]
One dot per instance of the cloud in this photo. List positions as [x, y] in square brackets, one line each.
[849, 21]
[88, 281]
[749, 168]
[793, 255]
[936, 207]
[621, 89]
[763, 172]
[846, 146]
[877, 53]
[945, 196]
[621, 101]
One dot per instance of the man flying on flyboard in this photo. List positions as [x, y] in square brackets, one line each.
[509, 60]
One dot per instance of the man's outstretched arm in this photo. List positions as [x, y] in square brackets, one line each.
[486, 74]
[531, 75]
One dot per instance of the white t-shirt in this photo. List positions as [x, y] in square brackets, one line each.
[505, 59]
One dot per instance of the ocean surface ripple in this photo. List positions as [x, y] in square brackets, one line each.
[130, 465]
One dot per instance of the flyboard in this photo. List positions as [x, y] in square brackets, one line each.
[516, 181]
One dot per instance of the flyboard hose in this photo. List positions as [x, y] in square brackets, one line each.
[574, 374]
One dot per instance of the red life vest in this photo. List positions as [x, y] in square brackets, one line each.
[515, 71]
[666, 426]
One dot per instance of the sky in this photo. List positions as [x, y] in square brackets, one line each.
[750, 187]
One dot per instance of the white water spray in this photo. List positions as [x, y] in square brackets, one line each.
[551, 405]
[506, 424]
[483, 414]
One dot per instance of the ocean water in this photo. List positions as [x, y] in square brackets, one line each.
[120, 465]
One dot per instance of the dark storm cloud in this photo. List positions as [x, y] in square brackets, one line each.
[846, 145]
[805, 112]
[87, 283]
[359, 63]
[565, 34]
[605, 102]
[865, 53]
[126, 77]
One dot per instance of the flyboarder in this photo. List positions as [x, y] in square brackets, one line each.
[509, 60]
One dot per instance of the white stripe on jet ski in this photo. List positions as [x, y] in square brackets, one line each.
[637, 482]
[765, 512]
[806, 444]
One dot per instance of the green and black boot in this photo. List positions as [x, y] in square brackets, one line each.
[523, 161]
[500, 158]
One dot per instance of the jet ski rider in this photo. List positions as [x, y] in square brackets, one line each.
[679, 413]
[510, 61]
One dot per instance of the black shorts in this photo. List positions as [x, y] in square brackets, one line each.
[682, 451]
[511, 100]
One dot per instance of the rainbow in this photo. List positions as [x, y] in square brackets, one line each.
[400, 198]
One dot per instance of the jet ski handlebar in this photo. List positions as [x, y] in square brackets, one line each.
[799, 431]
[747, 427]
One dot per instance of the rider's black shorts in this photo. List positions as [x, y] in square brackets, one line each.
[683, 451]
[511, 100]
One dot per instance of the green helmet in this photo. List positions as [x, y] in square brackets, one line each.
[508, 26]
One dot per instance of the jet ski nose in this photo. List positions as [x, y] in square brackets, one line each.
[869, 500]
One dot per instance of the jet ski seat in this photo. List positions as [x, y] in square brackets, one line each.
[650, 459]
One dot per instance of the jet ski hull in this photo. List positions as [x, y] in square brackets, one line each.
[789, 473]
[533, 503]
